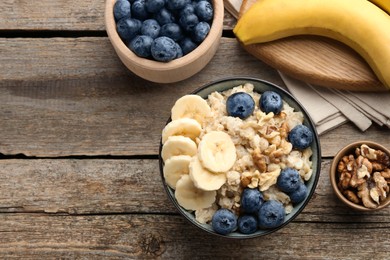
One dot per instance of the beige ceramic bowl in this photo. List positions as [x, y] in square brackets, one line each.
[175, 70]
[350, 149]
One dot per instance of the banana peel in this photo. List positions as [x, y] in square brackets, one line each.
[383, 4]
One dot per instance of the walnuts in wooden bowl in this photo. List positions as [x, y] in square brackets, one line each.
[360, 175]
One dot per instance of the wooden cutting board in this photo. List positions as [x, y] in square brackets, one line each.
[316, 60]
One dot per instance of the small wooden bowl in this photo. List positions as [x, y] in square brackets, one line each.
[175, 70]
[350, 149]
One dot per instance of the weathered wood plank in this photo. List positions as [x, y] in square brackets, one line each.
[71, 15]
[336, 139]
[126, 186]
[37, 59]
[82, 186]
[52, 15]
[35, 236]
[82, 84]
[58, 58]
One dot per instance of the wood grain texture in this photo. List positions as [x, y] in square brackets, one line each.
[84, 101]
[103, 186]
[63, 100]
[316, 60]
[93, 58]
[87, 186]
[35, 236]
[71, 15]
[109, 116]
[40, 59]
[119, 210]
[87, 103]
[52, 15]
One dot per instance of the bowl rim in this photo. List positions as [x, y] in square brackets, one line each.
[214, 33]
[316, 174]
[348, 149]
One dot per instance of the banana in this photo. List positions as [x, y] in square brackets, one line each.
[357, 23]
[216, 151]
[383, 4]
[174, 168]
[191, 106]
[184, 126]
[190, 197]
[178, 145]
[204, 179]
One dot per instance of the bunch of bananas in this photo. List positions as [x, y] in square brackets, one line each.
[362, 25]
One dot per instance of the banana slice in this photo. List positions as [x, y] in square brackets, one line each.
[184, 126]
[217, 152]
[204, 179]
[178, 145]
[191, 106]
[174, 168]
[190, 197]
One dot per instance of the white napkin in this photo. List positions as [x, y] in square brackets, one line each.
[325, 115]
[361, 108]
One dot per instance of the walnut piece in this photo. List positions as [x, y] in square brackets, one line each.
[380, 185]
[350, 195]
[268, 179]
[260, 160]
[364, 194]
[364, 176]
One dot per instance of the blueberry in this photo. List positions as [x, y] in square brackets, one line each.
[251, 200]
[177, 4]
[187, 45]
[164, 49]
[271, 101]
[300, 137]
[200, 32]
[188, 22]
[179, 51]
[122, 8]
[138, 10]
[164, 16]
[188, 9]
[172, 30]
[271, 214]
[141, 45]
[150, 27]
[247, 224]
[204, 11]
[153, 6]
[288, 180]
[128, 28]
[224, 221]
[299, 194]
[240, 105]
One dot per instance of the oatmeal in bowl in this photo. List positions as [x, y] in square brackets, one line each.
[239, 157]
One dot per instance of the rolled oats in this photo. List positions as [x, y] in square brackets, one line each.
[262, 150]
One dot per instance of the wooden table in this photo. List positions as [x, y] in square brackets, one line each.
[79, 138]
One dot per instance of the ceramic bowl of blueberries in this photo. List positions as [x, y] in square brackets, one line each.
[259, 213]
[164, 41]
